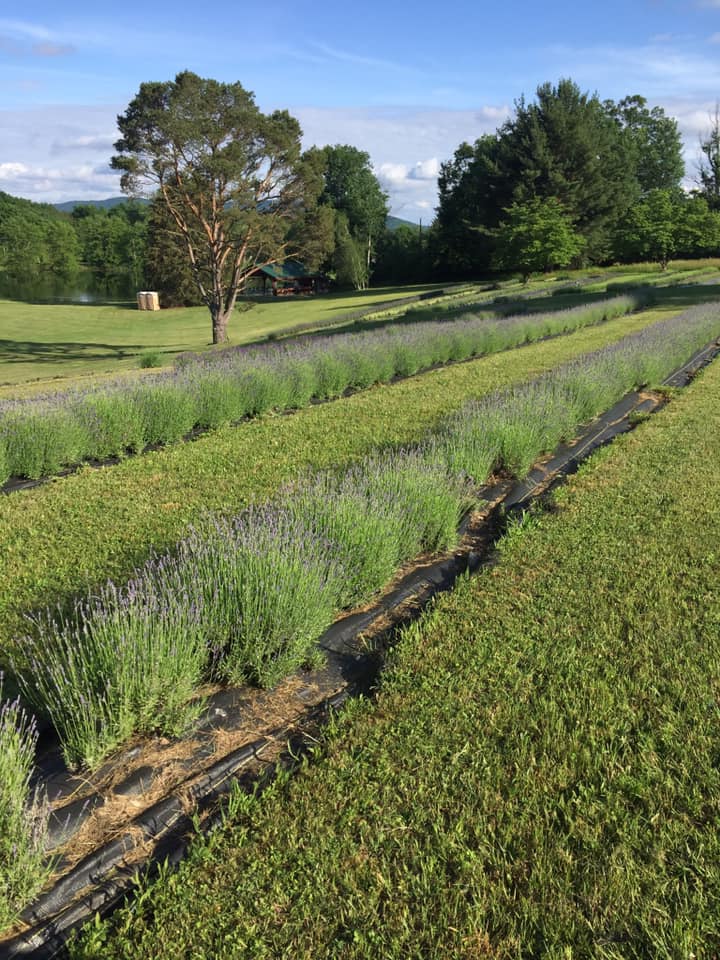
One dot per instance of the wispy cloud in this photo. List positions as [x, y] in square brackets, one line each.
[21, 28]
[348, 56]
[52, 49]
[19, 39]
[656, 70]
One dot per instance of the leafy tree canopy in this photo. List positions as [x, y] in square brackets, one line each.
[709, 163]
[233, 179]
[352, 190]
[652, 141]
[536, 235]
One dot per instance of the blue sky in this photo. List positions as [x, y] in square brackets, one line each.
[405, 81]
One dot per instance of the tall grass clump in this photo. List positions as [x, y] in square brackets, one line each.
[23, 814]
[45, 434]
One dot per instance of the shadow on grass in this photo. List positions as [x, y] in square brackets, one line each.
[31, 351]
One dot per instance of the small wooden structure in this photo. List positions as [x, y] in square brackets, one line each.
[148, 300]
[290, 278]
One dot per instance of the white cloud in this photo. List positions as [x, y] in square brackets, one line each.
[393, 172]
[24, 29]
[12, 171]
[57, 153]
[425, 169]
[86, 142]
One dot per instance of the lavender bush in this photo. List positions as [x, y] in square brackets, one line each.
[124, 661]
[23, 814]
[44, 434]
[267, 587]
[4, 463]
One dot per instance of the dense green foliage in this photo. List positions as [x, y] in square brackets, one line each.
[597, 160]
[709, 165]
[652, 141]
[666, 222]
[351, 217]
[536, 236]
[113, 240]
[538, 775]
[36, 239]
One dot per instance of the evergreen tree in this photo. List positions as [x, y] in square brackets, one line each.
[653, 143]
[232, 179]
[565, 146]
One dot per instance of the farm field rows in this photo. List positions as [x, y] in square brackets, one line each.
[98, 341]
[40, 436]
[248, 599]
[66, 537]
[538, 774]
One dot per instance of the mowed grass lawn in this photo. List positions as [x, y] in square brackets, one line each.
[538, 776]
[46, 342]
[69, 535]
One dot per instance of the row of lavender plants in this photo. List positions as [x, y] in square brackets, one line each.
[39, 437]
[23, 813]
[245, 599]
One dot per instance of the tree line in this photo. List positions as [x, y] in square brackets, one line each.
[567, 179]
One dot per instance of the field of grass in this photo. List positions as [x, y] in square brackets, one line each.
[46, 342]
[538, 776]
[66, 537]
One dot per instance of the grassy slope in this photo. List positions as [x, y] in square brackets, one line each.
[539, 775]
[50, 341]
[69, 535]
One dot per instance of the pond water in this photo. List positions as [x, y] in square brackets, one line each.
[83, 288]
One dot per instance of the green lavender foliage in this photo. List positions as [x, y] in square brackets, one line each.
[23, 814]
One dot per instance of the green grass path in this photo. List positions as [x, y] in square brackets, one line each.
[73, 533]
[539, 775]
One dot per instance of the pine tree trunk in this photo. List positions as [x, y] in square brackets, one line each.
[219, 326]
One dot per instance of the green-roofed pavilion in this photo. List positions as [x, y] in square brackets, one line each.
[289, 278]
